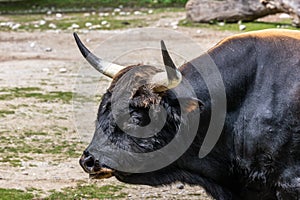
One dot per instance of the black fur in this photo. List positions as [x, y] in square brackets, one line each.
[258, 153]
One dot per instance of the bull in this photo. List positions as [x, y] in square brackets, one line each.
[257, 154]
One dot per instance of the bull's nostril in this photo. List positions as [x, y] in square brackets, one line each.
[89, 161]
[86, 153]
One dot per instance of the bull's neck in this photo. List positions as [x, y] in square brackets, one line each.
[233, 62]
[237, 68]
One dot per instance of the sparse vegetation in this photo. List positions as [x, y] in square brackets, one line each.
[34, 92]
[13, 146]
[3, 113]
[89, 192]
[250, 26]
[42, 6]
[9, 194]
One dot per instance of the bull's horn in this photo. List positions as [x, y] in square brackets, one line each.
[174, 76]
[104, 67]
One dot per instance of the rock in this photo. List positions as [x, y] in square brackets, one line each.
[42, 22]
[46, 70]
[48, 49]
[51, 25]
[75, 26]
[15, 26]
[225, 10]
[63, 70]
[234, 10]
[58, 15]
[242, 27]
[180, 186]
[104, 22]
[221, 23]
[291, 7]
[117, 10]
[88, 24]
[32, 44]
[137, 12]
[25, 173]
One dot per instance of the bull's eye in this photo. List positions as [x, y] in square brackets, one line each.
[140, 117]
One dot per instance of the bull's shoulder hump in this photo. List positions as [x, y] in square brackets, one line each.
[263, 34]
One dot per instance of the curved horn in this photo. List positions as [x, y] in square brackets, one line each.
[104, 67]
[174, 76]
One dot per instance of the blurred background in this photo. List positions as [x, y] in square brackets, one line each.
[41, 68]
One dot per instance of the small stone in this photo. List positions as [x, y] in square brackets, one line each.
[242, 27]
[58, 15]
[32, 44]
[15, 26]
[51, 25]
[49, 12]
[62, 70]
[48, 49]
[150, 11]
[75, 26]
[180, 186]
[104, 22]
[221, 23]
[42, 22]
[129, 195]
[88, 24]
[25, 173]
[137, 13]
[122, 13]
[86, 14]
[117, 10]
[46, 70]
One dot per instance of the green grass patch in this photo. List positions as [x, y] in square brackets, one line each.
[31, 22]
[3, 113]
[41, 6]
[250, 26]
[89, 192]
[34, 92]
[67, 148]
[12, 160]
[32, 133]
[9, 194]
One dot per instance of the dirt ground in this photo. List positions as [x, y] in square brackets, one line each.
[43, 62]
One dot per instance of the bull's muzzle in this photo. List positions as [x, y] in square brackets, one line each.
[93, 167]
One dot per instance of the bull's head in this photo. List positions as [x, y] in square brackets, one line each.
[150, 93]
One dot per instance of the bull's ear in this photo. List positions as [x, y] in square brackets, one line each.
[190, 104]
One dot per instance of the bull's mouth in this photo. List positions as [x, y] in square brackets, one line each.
[103, 173]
